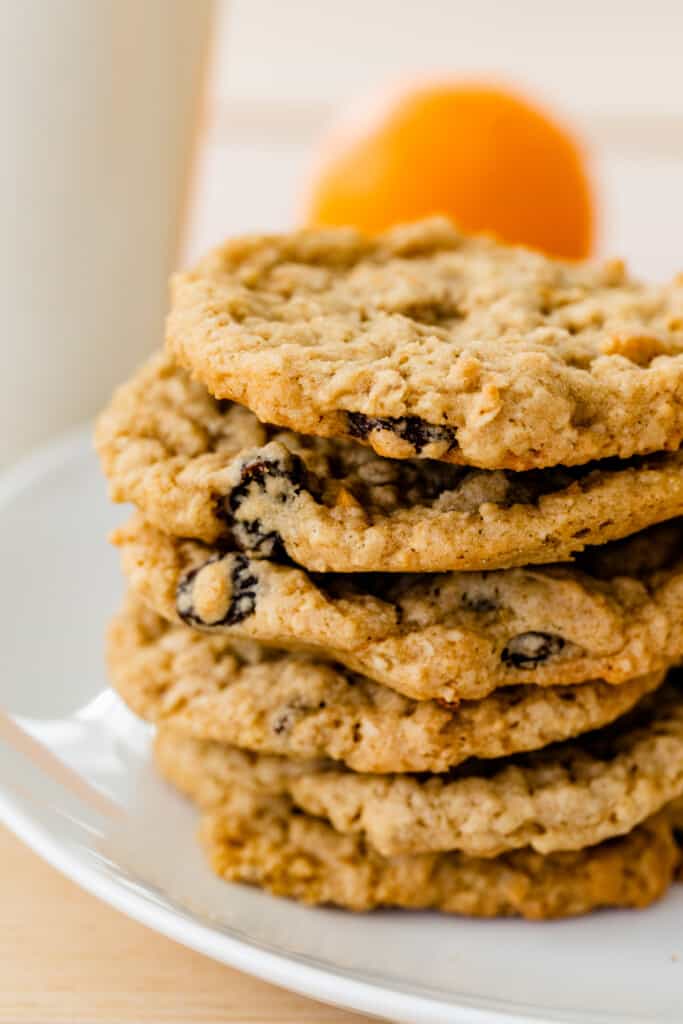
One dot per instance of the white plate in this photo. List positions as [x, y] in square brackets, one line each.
[76, 785]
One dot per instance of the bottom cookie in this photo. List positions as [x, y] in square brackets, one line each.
[565, 797]
[265, 841]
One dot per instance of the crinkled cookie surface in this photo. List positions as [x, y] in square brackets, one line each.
[423, 342]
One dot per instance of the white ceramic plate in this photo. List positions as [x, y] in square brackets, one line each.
[76, 785]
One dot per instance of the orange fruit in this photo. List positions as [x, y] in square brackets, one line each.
[487, 158]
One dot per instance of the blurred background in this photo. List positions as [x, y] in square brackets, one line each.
[140, 132]
[612, 69]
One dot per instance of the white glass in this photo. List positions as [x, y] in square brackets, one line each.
[98, 105]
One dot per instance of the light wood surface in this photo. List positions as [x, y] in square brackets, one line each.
[65, 956]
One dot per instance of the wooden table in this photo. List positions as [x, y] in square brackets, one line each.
[65, 956]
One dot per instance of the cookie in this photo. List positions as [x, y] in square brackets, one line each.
[425, 343]
[295, 706]
[209, 470]
[614, 616]
[266, 841]
[564, 797]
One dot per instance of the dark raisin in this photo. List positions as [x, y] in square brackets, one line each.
[184, 599]
[359, 425]
[249, 534]
[223, 404]
[530, 649]
[412, 429]
[282, 723]
[243, 583]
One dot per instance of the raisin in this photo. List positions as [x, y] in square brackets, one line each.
[530, 649]
[184, 601]
[412, 429]
[249, 534]
[282, 723]
[243, 583]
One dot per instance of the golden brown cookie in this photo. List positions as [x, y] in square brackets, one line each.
[565, 797]
[200, 468]
[297, 706]
[614, 616]
[265, 841]
[423, 342]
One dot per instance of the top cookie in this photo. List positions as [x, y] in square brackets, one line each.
[423, 342]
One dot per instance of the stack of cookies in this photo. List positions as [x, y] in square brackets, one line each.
[405, 576]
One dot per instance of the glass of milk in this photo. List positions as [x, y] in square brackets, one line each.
[98, 112]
